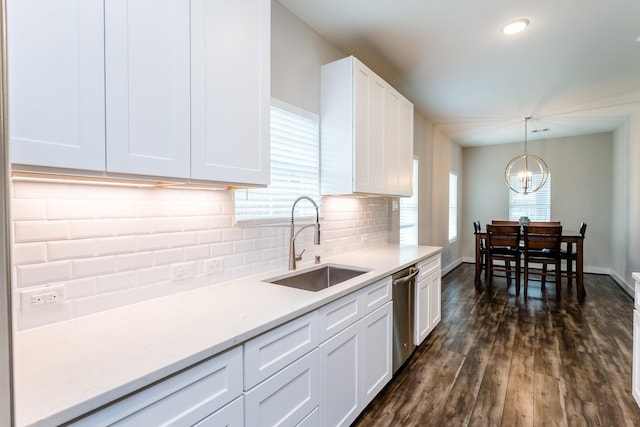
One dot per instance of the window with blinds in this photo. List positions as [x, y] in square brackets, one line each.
[409, 213]
[453, 207]
[295, 169]
[536, 206]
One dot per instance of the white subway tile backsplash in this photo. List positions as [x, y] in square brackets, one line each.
[115, 282]
[113, 246]
[168, 256]
[29, 209]
[153, 242]
[41, 231]
[148, 276]
[134, 261]
[86, 228]
[29, 253]
[90, 267]
[42, 274]
[71, 249]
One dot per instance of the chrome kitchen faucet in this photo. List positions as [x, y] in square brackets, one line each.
[292, 242]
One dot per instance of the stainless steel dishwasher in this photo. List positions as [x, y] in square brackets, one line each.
[403, 295]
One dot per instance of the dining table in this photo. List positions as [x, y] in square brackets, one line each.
[570, 237]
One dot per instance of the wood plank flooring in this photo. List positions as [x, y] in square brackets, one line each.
[495, 360]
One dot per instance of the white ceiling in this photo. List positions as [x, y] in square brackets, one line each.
[575, 69]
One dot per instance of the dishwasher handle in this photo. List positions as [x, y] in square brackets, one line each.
[407, 278]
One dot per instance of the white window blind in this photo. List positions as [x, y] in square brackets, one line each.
[536, 206]
[409, 213]
[295, 168]
[453, 207]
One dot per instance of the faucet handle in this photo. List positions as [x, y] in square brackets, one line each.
[299, 256]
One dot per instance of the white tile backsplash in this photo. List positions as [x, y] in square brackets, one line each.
[113, 246]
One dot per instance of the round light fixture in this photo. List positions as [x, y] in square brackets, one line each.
[515, 27]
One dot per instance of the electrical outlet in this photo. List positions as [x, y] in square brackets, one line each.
[212, 266]
[184, 270]
[41, 298]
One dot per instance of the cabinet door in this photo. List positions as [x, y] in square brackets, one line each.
[287, 397]
[422, 326]
[434, 300]
[398, 146]
[55, 52]
[148, 87]
[636, 356]
[369, 105]
[340, 401]
[376, 365]
[231, 415]
[230, 90]
[182, 399]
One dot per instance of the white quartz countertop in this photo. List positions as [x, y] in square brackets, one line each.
[636, 277]
[69, 368]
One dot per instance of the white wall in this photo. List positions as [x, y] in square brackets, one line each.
[581, 189]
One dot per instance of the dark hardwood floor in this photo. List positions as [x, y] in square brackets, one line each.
[495, 360]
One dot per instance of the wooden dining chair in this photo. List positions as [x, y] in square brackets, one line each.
[503, 245]
[542, 246]
[504, 222]
[570, 255]
[483, 250]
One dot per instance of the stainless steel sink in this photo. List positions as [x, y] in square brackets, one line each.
[318, 278]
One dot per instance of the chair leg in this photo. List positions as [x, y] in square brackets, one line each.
[569, 270]
[526, 277]
[507, 265]
[558, 278]
[544, 277]
[517, 277]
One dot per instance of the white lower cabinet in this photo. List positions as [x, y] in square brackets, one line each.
[231, 415]
[285, 398]
[355, 362]
[427, 298]
[340, 377]
[377, 330]
[183, 399]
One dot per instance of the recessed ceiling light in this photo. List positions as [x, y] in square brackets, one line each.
[514, 27]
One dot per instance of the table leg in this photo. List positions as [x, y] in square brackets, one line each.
[478, 262]
[579, 270]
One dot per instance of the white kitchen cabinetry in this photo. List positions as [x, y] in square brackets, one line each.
[285, 398]
[355, 359]
[230, 90]
[170, 88]
[428, 297]
[55, 53]
[147, 87]
[636, 342]
[281, 373]
[366, 131]
[186, 398]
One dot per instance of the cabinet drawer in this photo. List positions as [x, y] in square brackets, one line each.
[182, 399]
[287, 397]
[337, 315]
[428, 266]
[311, 420]
[376, 295]
[268, 353]
[231, 415]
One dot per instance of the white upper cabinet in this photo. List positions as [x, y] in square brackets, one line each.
[366, 132]
[55, 53]
[158, 88]
[147, 87]
[230, 90]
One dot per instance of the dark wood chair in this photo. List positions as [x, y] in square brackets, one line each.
[503, 244]
[504, 222]
[542, 246]
[483, 250]
[570, 255]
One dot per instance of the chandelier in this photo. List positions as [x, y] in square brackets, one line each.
[526, 173]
